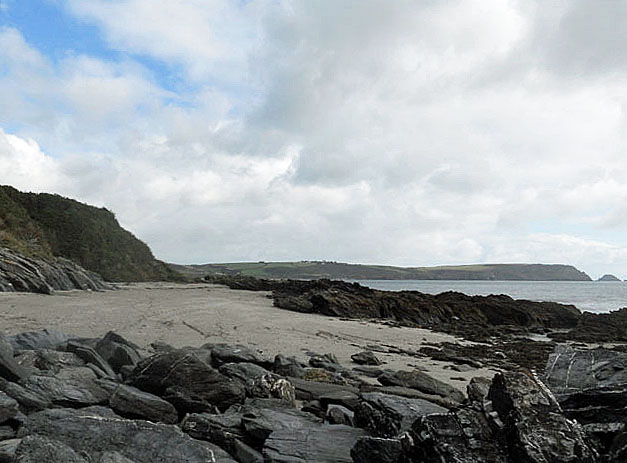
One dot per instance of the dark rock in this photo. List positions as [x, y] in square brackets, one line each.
[422, 382]
[44, 339]
[387, 415]
[8, 449]
[366, 358]
[223, 353]
[7, 432]
[271, 386]
[29, 401]
[571, 370]
[377, 449]
[11, 370]
[133, 403]
[326, 393]
[312, 442]
[618, 451]
[246, 454]
[8, 407]
[140, 441]
[336, 414]
[184, 374]
[65, 393]
[369, 371]
[410, 394]
[598, 327]
[37, 449]
[89, 355]
[288, 366]
[478, 388]
[117, 351]
[534, 427]
[113, 457]
[259, 420]
[48, 360]
[221, 429]
[243, 371]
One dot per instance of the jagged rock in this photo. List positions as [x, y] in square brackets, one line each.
[184, 374]
[89, 355]
[37, 449]
[117, 351]
[618, 450]
[113, 457]
[387, 415]
[43, 339]
[8, 449]
[288, 366]
[11, 370]
[422, 382]
[20, 273]
[222, 353]
[377, 449]
[478, 388]
[29, 401]
[72, 393]
[86, 430]
[535, 429]
[598, 327]
[320, 375]
[243, 371]
[271, 386]
[221, 429]
[329, 393]
[246, 454]
[571, 370]
[410, 394]
[7, 432]
[133, 403]
[366, 358]
[336, 414]
[369, 371]
[8, 407]
[48, 360]
[324, 443]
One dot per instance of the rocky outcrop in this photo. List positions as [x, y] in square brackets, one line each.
[38, 275]
[609, 277]
[598, 327]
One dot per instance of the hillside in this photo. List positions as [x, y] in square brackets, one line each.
[309, 270]
[45, 225]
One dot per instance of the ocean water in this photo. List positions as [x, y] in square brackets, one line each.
[593, 296]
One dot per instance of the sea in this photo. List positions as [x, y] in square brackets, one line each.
[592, 296]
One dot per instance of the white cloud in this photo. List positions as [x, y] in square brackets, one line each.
[391, 132]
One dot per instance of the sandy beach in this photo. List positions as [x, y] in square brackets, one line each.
[194, 314]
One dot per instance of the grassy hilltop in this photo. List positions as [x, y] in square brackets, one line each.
[46, 225]
[337, 270]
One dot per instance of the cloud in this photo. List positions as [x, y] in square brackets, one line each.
[389, 132]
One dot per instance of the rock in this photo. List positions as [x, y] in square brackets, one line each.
[223, 353]
[377, 449]
[288, 366]
[184, 375]
[388, 416]
[37, 449]
[422, 382]
[221, 429]
[243, 371]
[320, 375]
[598, 327]
[113, 457]
[478, 388]
[8, 449]
[133, 403]
[117, 351]
[327, 393]
[8, 407]
[271, 386]
[336, 414]
[29, 401]
[11, 370]
[572, 370]
[618, 451]
[48, 360]
[89, 355]
[410, 394]
[65, 393]
[21, 273]
[609, 277]
[369, 371]
[534, 427]
[7, 432]
[139, 441]
[44, 339]
[320, 443]
[366, 358]
[246, 454]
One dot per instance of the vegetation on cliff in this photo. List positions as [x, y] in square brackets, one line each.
[45, 225]
[312, 270]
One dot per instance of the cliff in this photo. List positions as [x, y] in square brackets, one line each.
[43, 226]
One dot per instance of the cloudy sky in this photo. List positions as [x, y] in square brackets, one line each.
[407, 132]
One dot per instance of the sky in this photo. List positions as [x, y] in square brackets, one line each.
[406, 133]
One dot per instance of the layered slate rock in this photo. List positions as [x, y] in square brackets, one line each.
[188, 380]
[37, 449]
[131, 402]
[422, 382]
[117, 351]
[387, 415]
[38, 275]
[73, 393]
[8, 407]
[43, 339]
[89, 431]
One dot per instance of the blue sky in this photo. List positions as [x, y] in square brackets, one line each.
[364, 131]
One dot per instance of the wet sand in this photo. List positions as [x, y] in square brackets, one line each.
[194, 314]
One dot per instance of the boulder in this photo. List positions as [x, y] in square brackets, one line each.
[73, 393]
[271, 386]
[48, 360]
[322, 443]
[222, 353]
[8, 407]
[221, 429]
[288, 366]
[29, 401]
[87, 431]
[366, 358]
[422, 382]
[336, 414]
[370, 449]
[89, 355]
[133, 403]
[387, 415]
[43, 339]
[182, 375]
[11, 370]
[243, 371]
[117, 351]
[7, 450]
[37, 449]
